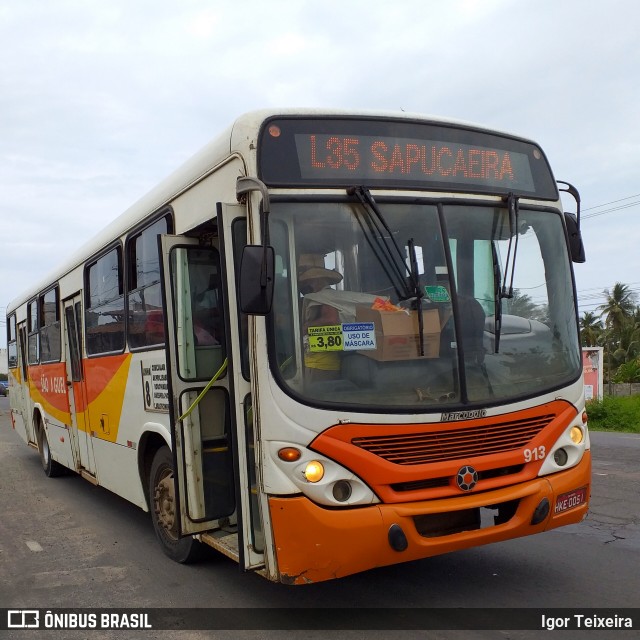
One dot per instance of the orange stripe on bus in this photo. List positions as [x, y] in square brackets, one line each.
[98, 400]
[101, 372]
[48, 387]
[106, 383]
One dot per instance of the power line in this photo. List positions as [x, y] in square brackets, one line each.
[601, 213]
[632, 286]
[591, 298]
[606, 204]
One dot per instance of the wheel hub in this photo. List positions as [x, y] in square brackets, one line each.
[164, 503]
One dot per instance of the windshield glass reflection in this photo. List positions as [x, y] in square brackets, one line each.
[344, 331]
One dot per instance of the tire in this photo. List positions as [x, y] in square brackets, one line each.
[163, 513]
[52, 469]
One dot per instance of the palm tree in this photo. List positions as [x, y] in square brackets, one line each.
[628, 372]
[590, 329]
[619, 307]
[520, 304]
[628, 343]
[620, 338]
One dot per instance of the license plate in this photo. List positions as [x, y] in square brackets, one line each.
[571, 499]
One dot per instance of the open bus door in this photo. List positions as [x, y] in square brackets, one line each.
[209, 459]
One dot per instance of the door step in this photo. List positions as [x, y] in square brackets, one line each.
[227, 544]
[88, 477]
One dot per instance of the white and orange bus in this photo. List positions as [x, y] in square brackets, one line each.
[331, 341]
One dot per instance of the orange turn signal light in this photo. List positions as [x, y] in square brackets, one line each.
[289, 454]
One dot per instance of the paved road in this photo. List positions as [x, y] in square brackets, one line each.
[65, 543]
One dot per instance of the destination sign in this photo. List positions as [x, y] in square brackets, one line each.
[336, 152]
[370, 157]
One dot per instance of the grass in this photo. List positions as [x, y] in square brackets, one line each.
[615, 414]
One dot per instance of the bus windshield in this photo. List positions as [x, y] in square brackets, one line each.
[497, 324]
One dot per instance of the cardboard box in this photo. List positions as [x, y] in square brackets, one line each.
[397, 335]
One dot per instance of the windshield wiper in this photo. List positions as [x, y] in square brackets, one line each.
[371, 234]
[413, 261]
[392, 255]
[386, 243]
[513, 209]
[497, 296]
[501, 290]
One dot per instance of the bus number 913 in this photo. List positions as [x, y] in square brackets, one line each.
[538, 453]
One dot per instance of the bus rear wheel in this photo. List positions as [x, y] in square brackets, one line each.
[51, 468]
[164, 513]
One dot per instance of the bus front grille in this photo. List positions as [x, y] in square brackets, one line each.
[451, 444]
[449, 481]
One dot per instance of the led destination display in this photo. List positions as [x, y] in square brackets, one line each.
[334, 152]
[409, 159]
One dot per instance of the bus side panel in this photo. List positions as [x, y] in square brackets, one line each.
[106, 383]
[15, 388]
[117, 453]
[60, 441]
[48, 392]
[117, 471]
[18, 424]
[117, 419]
[48, 388]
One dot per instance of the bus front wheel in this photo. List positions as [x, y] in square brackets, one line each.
[164, 513]
[51, 468]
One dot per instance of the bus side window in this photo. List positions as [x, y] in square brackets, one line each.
[206, 315]
[50, 343]
[145, 325]
[105, 304]
[12, 342]
[199, 311]
[33, 327]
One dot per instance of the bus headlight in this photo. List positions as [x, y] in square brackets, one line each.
[320, 479]
[567, 450]
[576, 434]
[314, 471]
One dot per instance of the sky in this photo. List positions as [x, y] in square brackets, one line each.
[101, 100]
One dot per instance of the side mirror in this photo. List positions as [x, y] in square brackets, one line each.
[257, 273]
[576, 247]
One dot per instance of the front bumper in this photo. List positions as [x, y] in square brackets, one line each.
[315, 544]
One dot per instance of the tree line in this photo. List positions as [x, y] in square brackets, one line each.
[615, 325]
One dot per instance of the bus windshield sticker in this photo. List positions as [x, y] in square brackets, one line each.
[328, 338]
[437, 293]
[344, 337]
[359, 336]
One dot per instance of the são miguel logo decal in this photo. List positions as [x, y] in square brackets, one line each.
[467, 478]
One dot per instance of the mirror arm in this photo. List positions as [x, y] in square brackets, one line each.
[572, 191]
[572, 223]
[245, 185]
